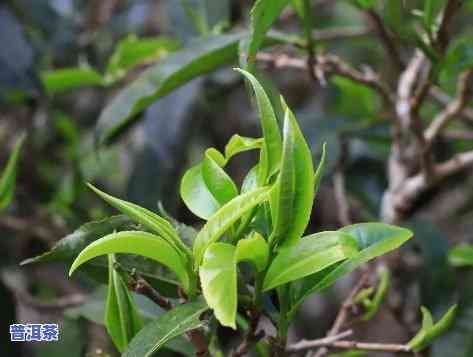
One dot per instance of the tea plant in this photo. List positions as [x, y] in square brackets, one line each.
[261, 223]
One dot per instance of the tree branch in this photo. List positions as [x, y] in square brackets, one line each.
[343, 313]
[141, 286]
[334, 65]
[464, 93]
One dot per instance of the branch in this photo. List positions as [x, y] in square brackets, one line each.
[345, 32]
[335, 342]
[464, 93]
[310, 344]
[443, 98]
[251, 336]
[386, 39]
[334, 65]
[141, 286]
[342, 315]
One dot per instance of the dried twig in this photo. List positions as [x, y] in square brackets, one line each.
[334, 65]
[343, 313]
[336, 342]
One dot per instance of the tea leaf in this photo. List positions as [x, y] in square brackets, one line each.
[196, 195]
[148, 219]
[269, 124]
[139, 243]
[225, 217]
[374, 240]
[218, 276]
[157, 81]
[122, 319]
[166, 327]
[309, 255]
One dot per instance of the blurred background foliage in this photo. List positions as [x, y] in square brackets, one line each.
[63, 60]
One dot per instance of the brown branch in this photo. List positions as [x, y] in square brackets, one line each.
[334, 65]
[251, 336]
[386, 39]
[340, 33]
[464, 93]
[343, 313]
[336, 342]
[141, 286]
[443, 98]
[321, 342]
[442, 36]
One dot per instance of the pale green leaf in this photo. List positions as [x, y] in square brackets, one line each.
[374, 240]
[253, 249]
[218, 276]
[269, 124]
[148, 219]
[308, 256]
[263, 15]
[296, 186]
[225, 217]
[238, 144]
[220, 185]
[196, 195]
[139, 243]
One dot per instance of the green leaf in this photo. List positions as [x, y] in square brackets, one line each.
[121, 314]
[253, 249]
[148, 219]
[66, 79]
[166, 327]
[218, 276]
[139, 243]
[132, 51]
[8, 176]
[294, 195]
[66, 249]
[161, 79]
[216, 179]
[461, 255]
[309, 255]
[238, 144]
[430, 331]
[225, 217]
[196, 195]
[374, 240]
[263, 14]
[271, 135]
